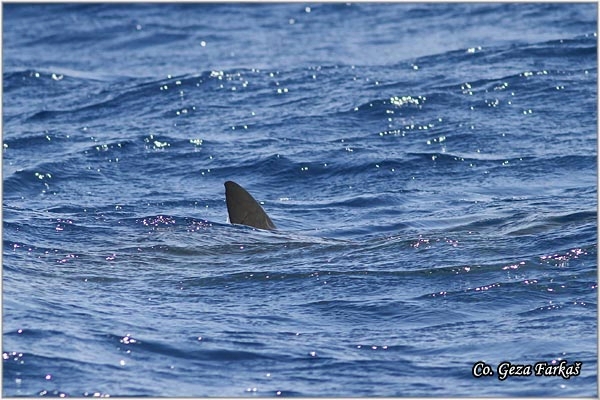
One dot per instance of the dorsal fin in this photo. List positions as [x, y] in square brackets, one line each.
[243, 209]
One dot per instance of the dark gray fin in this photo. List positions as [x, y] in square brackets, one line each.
[243, 209]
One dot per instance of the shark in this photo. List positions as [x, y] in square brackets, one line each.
[243, 209]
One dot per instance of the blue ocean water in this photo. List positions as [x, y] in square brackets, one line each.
[432, 170]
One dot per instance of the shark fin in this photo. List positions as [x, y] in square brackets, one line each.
[243, 209]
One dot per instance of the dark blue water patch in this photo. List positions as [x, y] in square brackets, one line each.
[109, 103]
[553, 53]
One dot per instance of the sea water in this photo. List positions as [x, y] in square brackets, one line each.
[431, 169]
